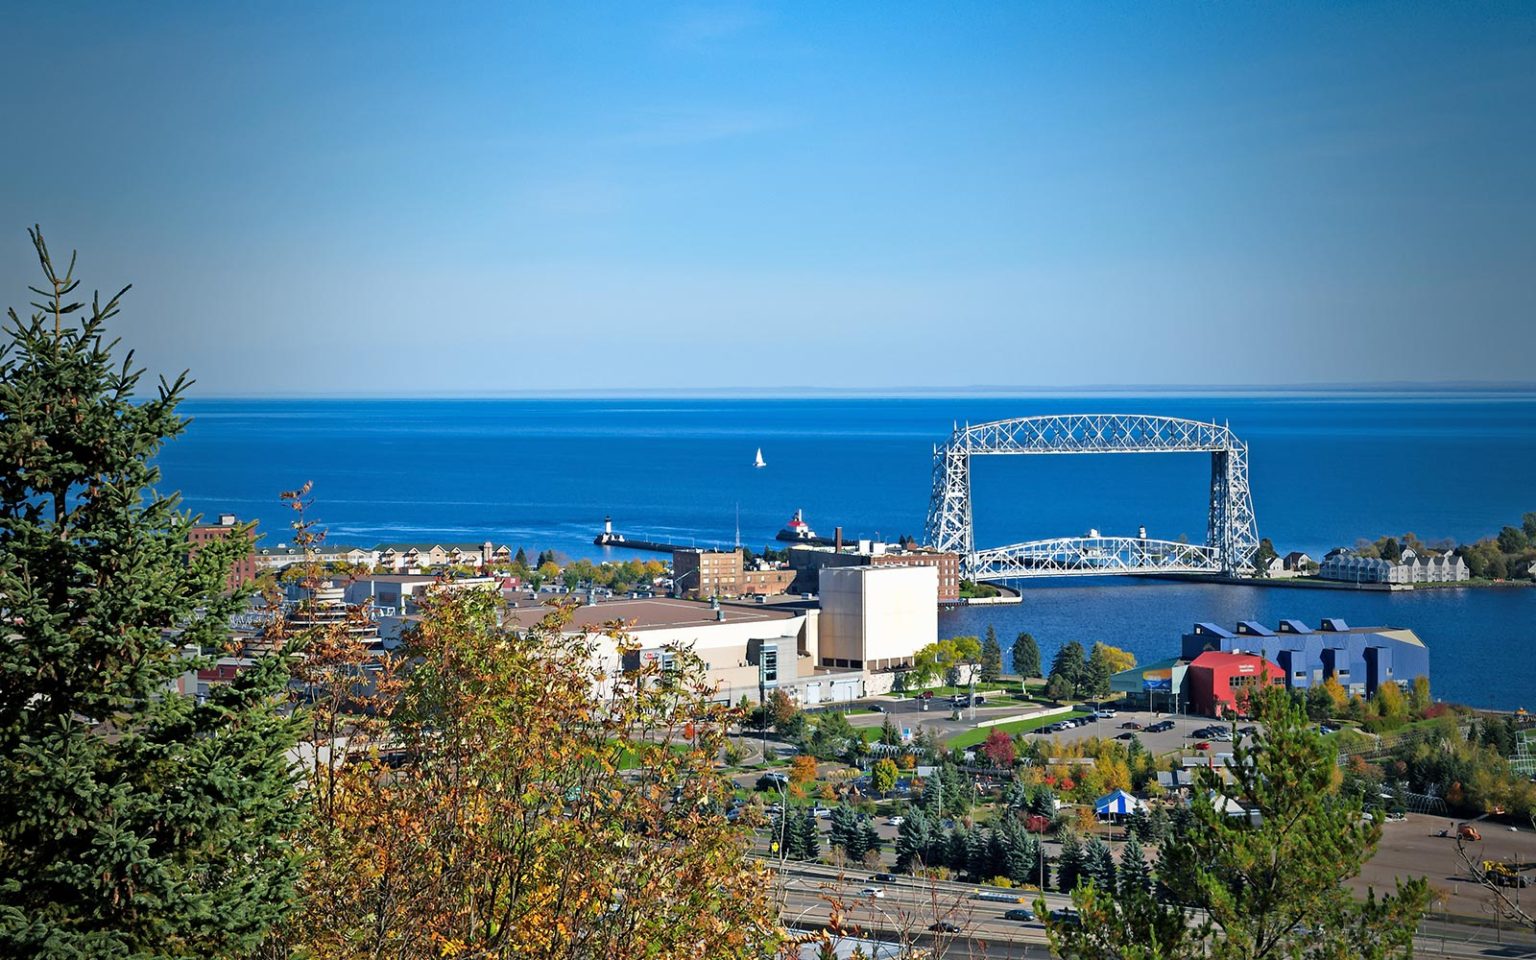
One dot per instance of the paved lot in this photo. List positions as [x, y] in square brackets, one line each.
[1414, 849]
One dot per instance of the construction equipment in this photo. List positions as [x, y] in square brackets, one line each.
[1503, 874]
[1466, 831]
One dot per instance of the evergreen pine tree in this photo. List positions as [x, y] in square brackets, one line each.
[933, 796]
[842, 825]
[911, 841]
[991, 657]
[978, 854]
[810, 840]
[1026, 656]
[1043, 801]
[1024, 861]
[998, 843]
[1134, 874]
[134, 821]
[956, 854]
[1139, 825]
[855, 844]
[872, 839]
[1099, 864]
[1069, 867]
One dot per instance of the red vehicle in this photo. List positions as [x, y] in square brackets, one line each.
[926, 695]
[1203, 745]
[1035, 823]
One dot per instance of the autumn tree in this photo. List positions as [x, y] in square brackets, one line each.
[135, 821]
[883, 776]
[999, 748]
[506, 829]
[802, 769]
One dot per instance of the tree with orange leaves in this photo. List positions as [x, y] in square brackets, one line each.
[494, 793]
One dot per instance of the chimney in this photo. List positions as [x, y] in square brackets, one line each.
[837, 539]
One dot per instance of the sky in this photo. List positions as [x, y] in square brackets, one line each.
[490, 198]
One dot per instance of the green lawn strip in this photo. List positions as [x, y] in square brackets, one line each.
[970, 738]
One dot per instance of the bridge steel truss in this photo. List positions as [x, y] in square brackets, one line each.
[1231, 530]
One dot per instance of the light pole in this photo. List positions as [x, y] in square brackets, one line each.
[677, 583]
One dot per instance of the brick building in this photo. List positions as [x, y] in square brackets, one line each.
[244, 569]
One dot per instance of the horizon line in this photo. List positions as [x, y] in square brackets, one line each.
[802, 392]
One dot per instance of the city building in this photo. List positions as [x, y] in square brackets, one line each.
[746, 649]
[276, 558]
[243, 570]
[876, 618]
[1360, 659]
[1411, 568]
[1217, 681]
[707, 573]
[404, 557]
[808, 560]
[763, 580]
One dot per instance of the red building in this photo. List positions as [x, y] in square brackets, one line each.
[244, 570]
[1217, 679]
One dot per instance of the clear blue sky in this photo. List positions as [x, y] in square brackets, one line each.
[465, 198]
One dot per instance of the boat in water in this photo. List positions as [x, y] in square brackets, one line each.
[760, 462]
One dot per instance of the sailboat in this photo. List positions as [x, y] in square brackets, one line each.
[760, 462]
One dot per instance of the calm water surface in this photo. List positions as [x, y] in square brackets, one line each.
[542, 474]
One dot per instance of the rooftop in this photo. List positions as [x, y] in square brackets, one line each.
[656, 613]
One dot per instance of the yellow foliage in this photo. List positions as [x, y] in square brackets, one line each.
[500, 825]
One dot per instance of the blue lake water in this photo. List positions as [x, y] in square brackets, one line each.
[543, 473]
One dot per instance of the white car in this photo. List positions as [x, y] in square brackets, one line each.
[821, 812]
[895, 821]
[1104, 714]
[876, 892]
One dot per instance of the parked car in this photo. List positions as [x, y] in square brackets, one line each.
[821, 811]
[926, 695]
[877, 708]
[1105, 714]
[1130, 725]
[1126, 736]
[1160, 726]
[1247, 731]
[1203, 745]
[895, 821]
[772, 781]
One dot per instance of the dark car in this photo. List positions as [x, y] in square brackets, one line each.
[1130, 725]
[943, 926]
[1247, 731]
[1126, 736]
[885, 877]
[772, 781]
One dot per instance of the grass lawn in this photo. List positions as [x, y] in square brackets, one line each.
[970, 738]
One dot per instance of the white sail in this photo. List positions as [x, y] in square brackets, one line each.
[760, 462]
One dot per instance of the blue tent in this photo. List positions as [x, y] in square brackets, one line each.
[1117, 804]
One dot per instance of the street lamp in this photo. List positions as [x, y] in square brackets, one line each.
[677, 583]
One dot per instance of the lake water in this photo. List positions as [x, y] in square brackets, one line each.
[543, 473]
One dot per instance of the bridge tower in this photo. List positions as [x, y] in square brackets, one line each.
[1231, 528]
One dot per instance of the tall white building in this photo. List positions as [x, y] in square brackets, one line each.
[876, 618]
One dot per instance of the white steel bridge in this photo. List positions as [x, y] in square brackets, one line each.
[1231, 531]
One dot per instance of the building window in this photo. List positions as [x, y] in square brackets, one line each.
[770, 664]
